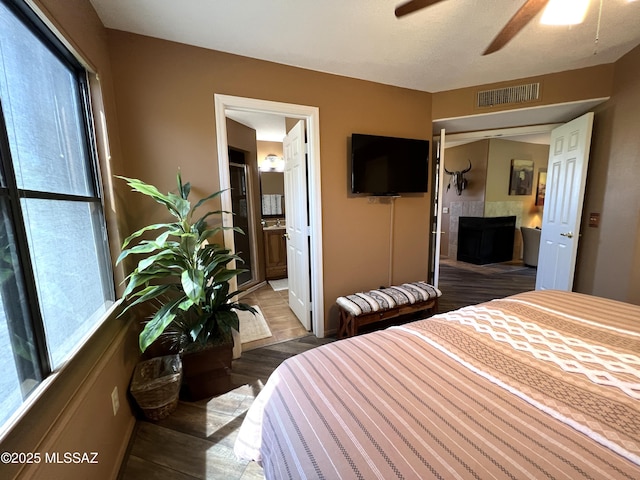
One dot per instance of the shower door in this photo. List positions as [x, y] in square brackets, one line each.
[242, 208]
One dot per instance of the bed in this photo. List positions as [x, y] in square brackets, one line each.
[542, 384]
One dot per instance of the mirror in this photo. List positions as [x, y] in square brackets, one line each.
[272, 194]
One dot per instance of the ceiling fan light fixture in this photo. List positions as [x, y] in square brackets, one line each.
[565, 12]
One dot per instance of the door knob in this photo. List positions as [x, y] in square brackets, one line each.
[286, 235]
[568, 234]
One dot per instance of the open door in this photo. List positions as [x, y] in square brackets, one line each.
[436, 233]
[296, 206]
[564, 198]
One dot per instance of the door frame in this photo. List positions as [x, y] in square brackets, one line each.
[436, 208]
[476, 135]
[311, 116]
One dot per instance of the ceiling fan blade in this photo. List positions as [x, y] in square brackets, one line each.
[522, 17]
[414, 5]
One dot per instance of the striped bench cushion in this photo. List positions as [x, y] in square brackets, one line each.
[386, 298]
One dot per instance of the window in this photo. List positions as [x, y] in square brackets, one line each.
[55, 271]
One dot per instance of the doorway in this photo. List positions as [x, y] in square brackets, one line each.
[310, 115]
[466, 281]
[513, 133]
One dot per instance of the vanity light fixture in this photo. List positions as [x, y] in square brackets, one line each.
[272, 163]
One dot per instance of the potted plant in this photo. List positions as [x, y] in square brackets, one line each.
[185, 281]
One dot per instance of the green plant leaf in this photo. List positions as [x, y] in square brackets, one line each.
[135, 280]
[153, 192]
[206, 199]
[185, 189]
[182, 205]
[202, 220]
[163, 258]
[244, 306]
[189, 244]
[186, 304]
[138, 249]
[193, 284]
[146, 189]
[227, 275]
[148, 293]
[218, 295]
[158, 324]
[228, 319]
[161, 239]
[211, 232]
[138, 233]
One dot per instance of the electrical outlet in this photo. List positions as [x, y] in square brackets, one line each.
[115, 400]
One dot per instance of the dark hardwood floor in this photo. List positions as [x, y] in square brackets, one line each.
[196, 441]
[465, 284]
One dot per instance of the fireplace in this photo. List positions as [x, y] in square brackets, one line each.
[484, 240]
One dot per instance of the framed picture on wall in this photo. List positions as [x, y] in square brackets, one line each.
[542, 186]
[521, 179]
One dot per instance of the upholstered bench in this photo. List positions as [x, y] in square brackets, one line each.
[376, 305]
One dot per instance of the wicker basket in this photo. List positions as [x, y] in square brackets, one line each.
[156, 385]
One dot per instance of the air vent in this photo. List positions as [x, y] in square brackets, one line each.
[516, 94]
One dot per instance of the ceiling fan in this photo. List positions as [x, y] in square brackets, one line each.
[522, 17]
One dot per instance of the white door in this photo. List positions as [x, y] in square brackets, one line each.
[295, 200]
[439, 194]
[566, 179]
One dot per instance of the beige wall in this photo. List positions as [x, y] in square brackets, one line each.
[569, 86]
[272, 183]
[498, 202]
[165, 105]
[501, 152]
[609, 256]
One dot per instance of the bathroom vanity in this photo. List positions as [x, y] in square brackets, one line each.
[275, 252]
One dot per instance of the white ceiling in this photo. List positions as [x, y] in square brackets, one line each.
[436, 49]
[268, 127]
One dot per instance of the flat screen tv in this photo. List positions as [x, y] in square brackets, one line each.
[388, 165]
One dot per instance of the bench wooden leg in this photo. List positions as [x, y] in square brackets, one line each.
[347, 323]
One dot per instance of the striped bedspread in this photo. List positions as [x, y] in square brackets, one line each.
[537, 385]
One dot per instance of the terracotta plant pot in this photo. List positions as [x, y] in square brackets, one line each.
[207, 372]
